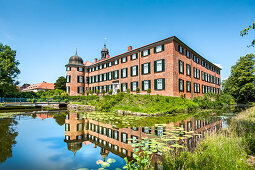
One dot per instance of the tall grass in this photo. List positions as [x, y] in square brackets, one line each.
[217, 151]
[244, 126]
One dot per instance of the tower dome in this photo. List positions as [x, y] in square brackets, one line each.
[104, 52]
[75, 60]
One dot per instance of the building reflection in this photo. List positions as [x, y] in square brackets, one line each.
[115, 140]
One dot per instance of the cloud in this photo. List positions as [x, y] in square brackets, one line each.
[219, 65]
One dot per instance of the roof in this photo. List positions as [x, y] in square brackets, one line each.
[88, 63]
[43, 85]
[152, 45]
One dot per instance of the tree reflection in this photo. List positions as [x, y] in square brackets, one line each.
[60, 118]
[7, 138]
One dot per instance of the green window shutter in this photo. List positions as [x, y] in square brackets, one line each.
[121, 73]
[136, 55]
[149, 51]
[163, 47]
[136, 85]
[77, 79]
[131, 86]
[142, 53]
[149, 68]
[121, 87]
[142, 85]
[150, 84]
[155, 84]
[163, 82]
[131, 71]
[126, 72]
[142, 68]
[131, 57]
[163, 64]
[117, 74]
[155, 66]
[127, 85]
[154, 49]
[137, 70]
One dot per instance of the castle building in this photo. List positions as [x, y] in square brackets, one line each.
[167, 67]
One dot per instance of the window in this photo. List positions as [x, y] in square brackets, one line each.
[181, 85]
[124, 87]
[79, 127]
[110, 76]
[68, 68]
[80, 79]
[124, 59]
[146, 85]
[105, 76]
[124, 137]
[180, 49]
[109, 64]
[146, 68]
[188, 86]
[159, 84]
[188, 69]
[100, 77]
[100, 67]
[134, 56]
[80, 90]
[196, 73]
[181, 67]
[159, 48]
[80, 69]
[194, 58]
[67, 127]
[134, 86]
[187, 54]
[124, 72]
[202, 75]
[116, 62]
[159, 65]
[68, 79]
[134, 71]
[116, 74]
[196, 88]
[145, 53]
[68, 89]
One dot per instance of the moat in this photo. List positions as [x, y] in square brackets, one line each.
[70, 140]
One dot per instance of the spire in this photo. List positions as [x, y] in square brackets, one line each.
[105, 42]
[104, 51]
[76, 52]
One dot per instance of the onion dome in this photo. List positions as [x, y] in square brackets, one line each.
[75, 60]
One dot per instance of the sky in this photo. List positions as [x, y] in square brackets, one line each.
[45, 33]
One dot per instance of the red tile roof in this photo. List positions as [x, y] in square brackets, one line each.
[43, 85]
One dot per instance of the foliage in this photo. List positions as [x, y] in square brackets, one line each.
[241, 83]
[244, 126]
[128, 90]
[103, 92]
[87, 92]
[118, 90]
[97, 92]
[137, 90]
[245, 32]
[60, 118]
[110, 92]
[142, 162]
[218, 151]
[148, 90]
[91, 92]
[56, 93]
[214, 101]
[143, 103]
[60, 83]
[8, 71]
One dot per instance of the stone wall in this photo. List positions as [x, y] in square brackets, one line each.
[77, 107]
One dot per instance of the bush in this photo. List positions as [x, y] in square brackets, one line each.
[118, 90]
[110, 92]
[148, 90]
[128, 90]
[137, 90]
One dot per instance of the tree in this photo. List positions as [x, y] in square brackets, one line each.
[245, 32]
[241, 82]
[61, 83]
[8, 71]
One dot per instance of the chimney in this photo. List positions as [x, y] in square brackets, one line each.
[107, 56]
[129, 48]
[95, 60]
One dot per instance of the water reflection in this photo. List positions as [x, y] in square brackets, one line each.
[110, 138]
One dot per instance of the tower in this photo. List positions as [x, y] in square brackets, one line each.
[104, 52]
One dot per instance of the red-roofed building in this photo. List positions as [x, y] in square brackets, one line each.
[39, 87]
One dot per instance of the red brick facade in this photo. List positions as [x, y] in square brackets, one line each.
[173, 79]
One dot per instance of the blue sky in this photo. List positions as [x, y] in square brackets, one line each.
[45, 33]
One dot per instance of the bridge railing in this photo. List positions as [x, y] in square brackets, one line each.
[32, 100]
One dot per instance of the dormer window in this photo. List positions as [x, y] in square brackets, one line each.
[145, 53]
[158, 48]
[180, 49]
[68, 68]
[110, 64]
[134, 56]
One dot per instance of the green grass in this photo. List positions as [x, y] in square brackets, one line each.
[143, 103]
[218, 151]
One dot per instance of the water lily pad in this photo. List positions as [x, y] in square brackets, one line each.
[110, 160]
[99, 162]
[105, 164]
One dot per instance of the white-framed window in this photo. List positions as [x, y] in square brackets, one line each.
[133, 86]
[110, 64]
[159, 48]
[68, 79]
[116, 74]
[145, 53]
[80, 90]
[181, 85]
[188, 86]
[68, 68]
[124, 59]
[146, 85]
[79, 68]
[116, 62]
[159, 84]
[188, 69]
[105, 76]
[80, 79]
[67, 127]
[124, 73]
[100, 67]
[187, 54]
[146, 69]
[110, 75]
[68, 89]
[100, 77]
[134, 71]
[133, 56]
[159, 65]
[124, 87]
[124, 137]
[96, 67]
[181, 67]
[180, 49]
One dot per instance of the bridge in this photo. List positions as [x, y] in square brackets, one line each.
[38, 102]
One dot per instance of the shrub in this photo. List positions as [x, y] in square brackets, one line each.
[128, 90]
[110, 92]
[103, 92]
[148, 90]
[91, 92]
[118, 91]
[137, 90]
[97, 92]
[87, 92]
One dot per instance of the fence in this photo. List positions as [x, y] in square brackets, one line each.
[32, 100]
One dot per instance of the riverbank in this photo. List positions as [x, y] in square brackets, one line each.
[231, 148]
[140, 103]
